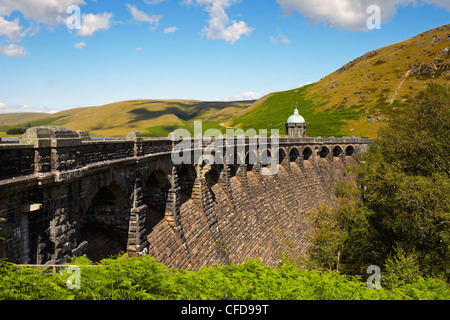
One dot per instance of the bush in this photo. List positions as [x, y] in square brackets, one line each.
[143, 278]
[16, 131]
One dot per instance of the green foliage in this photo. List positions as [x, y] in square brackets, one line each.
[417, 141]
[16, 131]
[144, 279]
[400, 203]
[401, 269]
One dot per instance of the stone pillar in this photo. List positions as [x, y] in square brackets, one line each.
[201, 192]
[137, 243]
[55, 148]
[173, 212]
[136, 137]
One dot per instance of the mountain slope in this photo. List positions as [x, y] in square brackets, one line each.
[150, 117]
[359, 98]
[6, 118]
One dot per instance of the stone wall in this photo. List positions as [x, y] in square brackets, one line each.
[256, 220]
[63, 194]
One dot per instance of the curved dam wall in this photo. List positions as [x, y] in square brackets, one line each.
[64, 195]
[257, 219]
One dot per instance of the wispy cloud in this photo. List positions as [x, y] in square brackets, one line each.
[280, 38]
[141, 16]
[80, 45]
[170, 30]
[220, 26]
[246, 95]
[153, 2]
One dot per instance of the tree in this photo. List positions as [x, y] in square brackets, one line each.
[401, 197]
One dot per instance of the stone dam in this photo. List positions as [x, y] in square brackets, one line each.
[63, 194]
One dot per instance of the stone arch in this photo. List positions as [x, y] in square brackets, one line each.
[294, 155]
[350, 151]
[281, 156]
[156, 190]
[324, 152]
[267, 154]
[104, 224]
[186, 179]
[247, 160]
[155, 196]
[337, 151]
[307, 153]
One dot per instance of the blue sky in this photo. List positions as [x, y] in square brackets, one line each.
[187, 49]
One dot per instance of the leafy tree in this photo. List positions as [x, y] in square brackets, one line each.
[401, 198]
[417, 141]
[405, 182]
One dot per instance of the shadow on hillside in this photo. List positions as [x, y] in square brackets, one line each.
[181, 110]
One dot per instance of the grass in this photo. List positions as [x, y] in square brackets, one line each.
[274, 111]
[150, 117]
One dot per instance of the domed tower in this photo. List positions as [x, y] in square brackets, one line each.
[296, 126]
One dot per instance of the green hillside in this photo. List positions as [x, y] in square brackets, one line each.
[150, 117]
[360, 97]
[6, 118]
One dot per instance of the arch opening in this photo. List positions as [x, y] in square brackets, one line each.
[105, 224]
[249, 163]
[324, 152]
[337, 151]
[265, 158]
[155, 195]
[294, 155]
[281, 156]
[350, 151]
[307, 153]
[186, 180]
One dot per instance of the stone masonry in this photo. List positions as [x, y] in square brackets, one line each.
[64, 194]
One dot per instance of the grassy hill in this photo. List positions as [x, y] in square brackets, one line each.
[150, 117]
[355, 100]
[6, 118]
[375, 85]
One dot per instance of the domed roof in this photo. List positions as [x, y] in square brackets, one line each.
[296, 118]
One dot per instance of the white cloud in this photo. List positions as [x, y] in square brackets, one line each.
[220, 26]
[11, 29]
[246, 95]
[80, 45]
[170, 30]
[280, 38]
[91, 23]
[303, 84]
[347, 14]
[50, 12]
[138, 49]
[4, 108]
[143, 17]
[13, 50]
[153, 2]
[440, 3]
